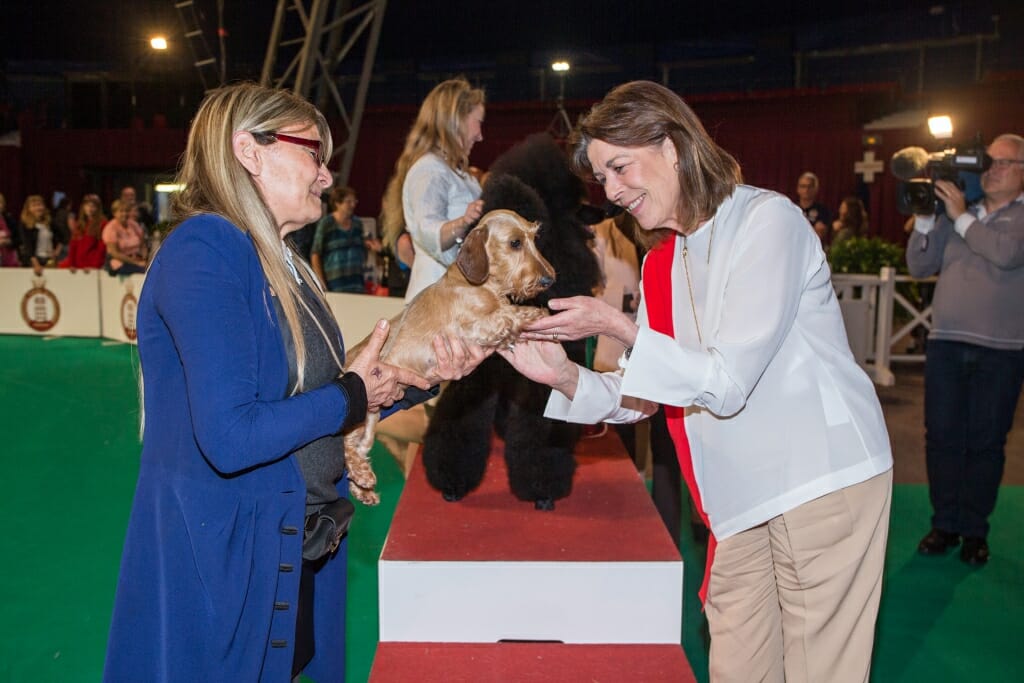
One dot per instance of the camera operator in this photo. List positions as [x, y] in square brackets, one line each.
[975, 357]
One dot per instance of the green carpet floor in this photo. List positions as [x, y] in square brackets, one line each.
[69, 427]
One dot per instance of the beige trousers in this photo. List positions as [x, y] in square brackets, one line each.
[795, 599]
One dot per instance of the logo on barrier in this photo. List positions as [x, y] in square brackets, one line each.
[40, 308]
[129, 308]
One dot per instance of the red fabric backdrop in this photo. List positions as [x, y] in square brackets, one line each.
[775, 136]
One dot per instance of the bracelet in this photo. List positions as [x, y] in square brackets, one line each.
[352, 386]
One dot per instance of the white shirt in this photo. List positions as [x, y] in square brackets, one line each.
[44, 242]
[433, 194]
[778, 412]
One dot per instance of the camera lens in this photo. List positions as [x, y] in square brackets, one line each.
[916, 197]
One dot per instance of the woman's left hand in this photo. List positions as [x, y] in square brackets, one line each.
[455, 358]
[581, 317]
[544, 363]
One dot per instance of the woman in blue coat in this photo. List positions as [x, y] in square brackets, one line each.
[225, 575]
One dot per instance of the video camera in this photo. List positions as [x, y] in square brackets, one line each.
[961, 165]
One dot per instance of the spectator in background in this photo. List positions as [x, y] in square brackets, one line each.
[63, 219]
[86, 249]
[399, 256]
[817, 215]
[339, 245]
[10, 237]
[40, 241]
[143, 214]
[8, 250]
[974, 364]
[432, 193]
[852, 221]
[127, 252]
[6, 215]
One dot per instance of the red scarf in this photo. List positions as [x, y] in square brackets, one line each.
[657, 296]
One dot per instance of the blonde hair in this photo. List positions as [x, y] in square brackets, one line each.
[215, 182]
[642, 114]
[437, 128]
[27, 217]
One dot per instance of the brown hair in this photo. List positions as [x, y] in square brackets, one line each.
[856, 218]
[437, 129]
[642, 114]
[91, 226]
[339, 194]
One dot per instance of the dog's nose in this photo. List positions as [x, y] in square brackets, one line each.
[546, 281]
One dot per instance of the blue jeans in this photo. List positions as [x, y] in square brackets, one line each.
[970, 399]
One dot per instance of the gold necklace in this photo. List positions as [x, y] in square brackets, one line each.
[689, 283]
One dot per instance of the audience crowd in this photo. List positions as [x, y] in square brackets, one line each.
[57, 234]
[122, 238]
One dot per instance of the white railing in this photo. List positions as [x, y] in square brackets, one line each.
[869, 304]
[61, 303]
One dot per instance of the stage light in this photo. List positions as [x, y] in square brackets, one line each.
[158, 43]
[169, 187]
[560, 67]
[941, 127]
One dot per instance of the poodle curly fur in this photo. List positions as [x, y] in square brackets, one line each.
[534, 180]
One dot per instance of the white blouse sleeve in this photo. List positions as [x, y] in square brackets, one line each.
[598, 399]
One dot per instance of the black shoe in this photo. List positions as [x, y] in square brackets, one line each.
[937, 542]
[975, 551]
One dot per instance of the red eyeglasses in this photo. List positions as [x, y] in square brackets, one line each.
[315, 145]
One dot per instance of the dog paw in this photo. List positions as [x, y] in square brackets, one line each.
[364, 496]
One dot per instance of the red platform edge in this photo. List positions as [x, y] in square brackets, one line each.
[608, 517]
[529, 663]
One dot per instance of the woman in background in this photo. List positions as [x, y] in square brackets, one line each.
[125, 241]
[86, 249]
[432, 194]
[340, 246]
[40, 242]
[852, 221]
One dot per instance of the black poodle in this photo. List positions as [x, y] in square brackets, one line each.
[533, 179]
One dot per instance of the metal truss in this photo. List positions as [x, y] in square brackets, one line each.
[326, 36]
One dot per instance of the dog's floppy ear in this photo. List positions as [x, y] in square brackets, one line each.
[472, 259]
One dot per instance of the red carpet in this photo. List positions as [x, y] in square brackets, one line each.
[604, 519]
[529, 663]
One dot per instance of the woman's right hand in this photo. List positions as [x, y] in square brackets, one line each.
[579, 317]
[384, 383]
[474, 210]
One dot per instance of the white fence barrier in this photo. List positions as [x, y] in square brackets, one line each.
[869, 303]
[94, 304]
[60, 303]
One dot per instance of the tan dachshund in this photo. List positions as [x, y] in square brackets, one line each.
[498, 265]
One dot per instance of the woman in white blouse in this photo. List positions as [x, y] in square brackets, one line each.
[779, 433]
[432, 193]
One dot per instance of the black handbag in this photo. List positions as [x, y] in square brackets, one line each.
[325, 528]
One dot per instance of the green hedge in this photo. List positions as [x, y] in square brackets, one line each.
[866, 255]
